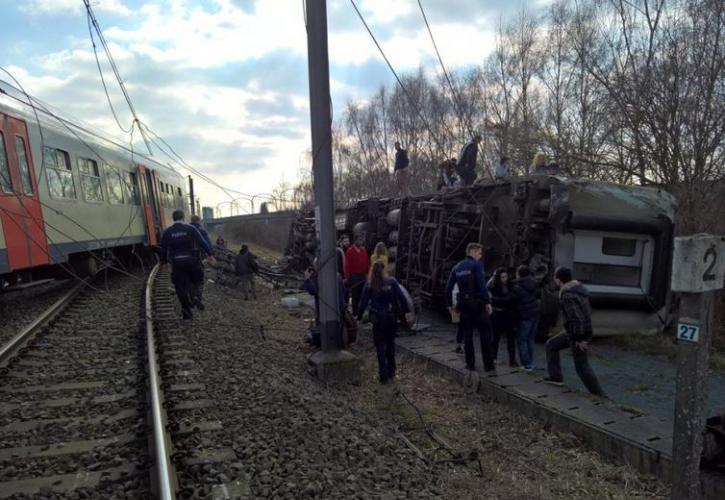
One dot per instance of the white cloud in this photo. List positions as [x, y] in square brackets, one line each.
[39, 7]
[227, 86]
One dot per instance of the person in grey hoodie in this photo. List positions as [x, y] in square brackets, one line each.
[574, 303]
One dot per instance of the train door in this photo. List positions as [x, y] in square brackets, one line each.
[149, 200]
[153, 179]
[20, 209]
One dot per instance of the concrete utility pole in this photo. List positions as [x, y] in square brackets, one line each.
[698, 268]
[191, 196]
[331, 363]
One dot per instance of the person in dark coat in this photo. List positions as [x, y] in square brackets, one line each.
[502, 318]
[466, 166]
[386, 302]
[197, 288]
[342, 245]
[578, 332]
[527, 307]
[400, 168]
[245, 266]
[474, 304]
[312, 287]
[180, 246]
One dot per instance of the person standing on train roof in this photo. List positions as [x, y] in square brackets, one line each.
[400, 168]
[578, 332]
[357, 265]
[180, 244]
[527, 308]
[501, 171]
[538, 165]
[447, 178]
[466, 166]
[380, 254]
[197, 288]
[386, 303]
[474, 305]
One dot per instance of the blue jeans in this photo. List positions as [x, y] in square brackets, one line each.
[526, 332]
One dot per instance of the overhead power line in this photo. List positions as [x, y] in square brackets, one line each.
[400, 82]
[454, 92]
[92, 19]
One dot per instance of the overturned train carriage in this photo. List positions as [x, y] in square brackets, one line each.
[617, 240]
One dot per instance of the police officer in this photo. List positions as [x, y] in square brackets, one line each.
[197, 287]
[180, 245]
[474, 305]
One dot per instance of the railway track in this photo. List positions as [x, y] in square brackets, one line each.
[81, 412]
[204, 460]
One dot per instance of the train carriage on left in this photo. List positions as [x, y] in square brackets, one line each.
[70, 197]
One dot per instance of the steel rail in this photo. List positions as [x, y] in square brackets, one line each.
[12, 347]
[165, 477]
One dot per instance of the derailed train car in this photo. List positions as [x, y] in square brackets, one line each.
[617, 240]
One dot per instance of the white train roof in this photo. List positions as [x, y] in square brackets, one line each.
[32, 110]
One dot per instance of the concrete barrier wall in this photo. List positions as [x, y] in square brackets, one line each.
[268, 230]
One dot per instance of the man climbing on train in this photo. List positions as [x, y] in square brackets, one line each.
[180, 244]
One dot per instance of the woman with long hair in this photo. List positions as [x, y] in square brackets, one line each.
[380, 254]
[538, 164]
[503, 317]
[386, 302]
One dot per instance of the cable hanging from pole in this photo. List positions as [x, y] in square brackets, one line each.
[94, 22]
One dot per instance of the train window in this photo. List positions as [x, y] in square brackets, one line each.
[620, 247]
[114, 183]
[90, 180]
[133, 193]
[162, 194]
[24, 167]
[5, 183]
[59, 172]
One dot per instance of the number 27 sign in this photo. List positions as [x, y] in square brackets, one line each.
[689, 331]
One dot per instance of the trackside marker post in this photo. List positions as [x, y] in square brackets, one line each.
[698, 270]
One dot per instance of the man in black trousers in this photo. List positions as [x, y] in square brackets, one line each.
[474, 304]
[180, 246]
[574, 303]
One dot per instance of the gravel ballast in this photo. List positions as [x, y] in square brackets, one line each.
[293, 437]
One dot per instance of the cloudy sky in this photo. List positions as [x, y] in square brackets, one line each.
[225, 81]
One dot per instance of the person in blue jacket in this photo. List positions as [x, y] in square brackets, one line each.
[386, 302]
[180, 246]
[474, 305]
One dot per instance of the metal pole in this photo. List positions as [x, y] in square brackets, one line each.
[191, 196]
[698, 270]
[691, 395]
[319, 78]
